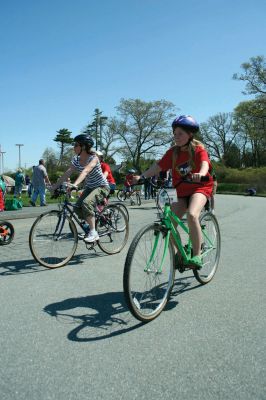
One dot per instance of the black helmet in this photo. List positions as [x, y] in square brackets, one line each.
[84, 139]
[131, 171]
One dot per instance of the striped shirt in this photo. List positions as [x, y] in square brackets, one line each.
[95, 177]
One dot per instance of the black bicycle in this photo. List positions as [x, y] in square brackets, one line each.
[53, 237]
[132, 195]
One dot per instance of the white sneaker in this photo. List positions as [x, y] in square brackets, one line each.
[92, 237]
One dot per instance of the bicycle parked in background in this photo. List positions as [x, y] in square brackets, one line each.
[53, 237]
[159, 250]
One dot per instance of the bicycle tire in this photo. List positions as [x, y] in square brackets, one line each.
[121, 195]
[212, 252]
[138, 199]
[113, 229]
[7, 233]
[123, 207]
[43, 239]
[143, 303]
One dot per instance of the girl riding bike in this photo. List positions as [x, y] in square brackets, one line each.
[187, 158]
[96, 186]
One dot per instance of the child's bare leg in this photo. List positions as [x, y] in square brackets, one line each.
[179, 208]
[196, 203]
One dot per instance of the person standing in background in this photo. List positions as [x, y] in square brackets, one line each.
[2, 193]
[19, 182]
[39, 179]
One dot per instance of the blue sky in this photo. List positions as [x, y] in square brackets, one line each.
[61, 59]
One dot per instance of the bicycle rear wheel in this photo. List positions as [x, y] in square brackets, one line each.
[7, 233]
[211, 248]
[53, 239]
[123, 208]
[149, 273]
[112, 227]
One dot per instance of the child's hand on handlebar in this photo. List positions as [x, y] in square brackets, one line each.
[196, 177]
[135, 179]
[71, 187]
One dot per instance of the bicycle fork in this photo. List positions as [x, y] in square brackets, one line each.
[59, 226]
[166, 234]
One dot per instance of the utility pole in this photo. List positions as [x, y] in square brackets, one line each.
[102, 121]
[19, 155]
[97, 115]
[2, 163]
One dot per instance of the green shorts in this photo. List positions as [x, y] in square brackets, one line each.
[85, 205]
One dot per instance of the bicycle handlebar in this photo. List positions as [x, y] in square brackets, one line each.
[63, 189]
[183, 180]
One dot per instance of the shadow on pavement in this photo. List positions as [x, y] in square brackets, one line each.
[97, 317]
[102, 316]
[181, 285]
[30, 266]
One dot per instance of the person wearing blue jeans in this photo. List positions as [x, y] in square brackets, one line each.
[39, 179]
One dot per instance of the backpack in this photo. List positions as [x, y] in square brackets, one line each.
[13, 204]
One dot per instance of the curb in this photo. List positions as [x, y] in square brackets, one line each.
[34, 212]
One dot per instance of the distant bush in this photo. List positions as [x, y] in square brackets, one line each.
[238, 180]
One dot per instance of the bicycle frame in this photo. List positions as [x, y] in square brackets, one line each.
[166, 221]
[67, 208]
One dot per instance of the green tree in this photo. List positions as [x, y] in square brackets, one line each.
[143, 127]
[50, 158]
[254, 74]
[218, 135]
[95, 128]
[250, 117]
[64, 139]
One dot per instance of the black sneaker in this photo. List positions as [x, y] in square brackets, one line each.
[32, 204]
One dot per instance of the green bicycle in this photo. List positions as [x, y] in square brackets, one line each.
[156, 252]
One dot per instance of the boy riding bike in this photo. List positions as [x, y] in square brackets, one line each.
[129, 180]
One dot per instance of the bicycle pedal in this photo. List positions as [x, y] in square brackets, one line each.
[91, 246]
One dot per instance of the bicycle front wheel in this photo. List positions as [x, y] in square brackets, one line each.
[112, 227]
[138, 199]
[162, 198]
[121, 195]
[53, 239]
[149, 273]
[211, 248]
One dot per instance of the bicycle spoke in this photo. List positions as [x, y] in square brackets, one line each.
[147, 284]
[112, 227]
[211, 243]
[53, 239]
